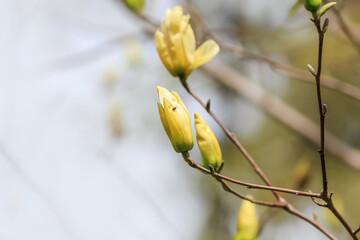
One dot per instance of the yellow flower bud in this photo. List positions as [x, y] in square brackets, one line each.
[176, 44]
[176, 120]
[312, 5]
[135, 5]
[208, 144]
[247, 223]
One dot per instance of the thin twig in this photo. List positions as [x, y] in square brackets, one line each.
[322, 108]
[287, 207]
[322, 112]
[356, 231]
[280, 110]
[252, 185]
[232, 138]
[289, 71]
[282, 203]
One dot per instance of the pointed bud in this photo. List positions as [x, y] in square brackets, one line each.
[248, 223]
[208, 144]
[326, 8]
[176, 120]
[311, 69]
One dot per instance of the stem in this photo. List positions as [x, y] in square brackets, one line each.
[232, 138]
[322, 112]
[251, 185]
[282, 203]
[322, 108]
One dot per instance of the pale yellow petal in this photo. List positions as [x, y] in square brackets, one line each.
[178, 54]
[189, 43]
[175, 20]
[163, 93]
[163, 52]
[163, 120]
[180, 102]
[205, 53]
[180, 126]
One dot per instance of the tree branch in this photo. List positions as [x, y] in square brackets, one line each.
[281, 203]
[296, 73]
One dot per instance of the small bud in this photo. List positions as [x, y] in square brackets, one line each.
[135, 5]
[312, 6]
[324, 109]
[176, 120]
[325, 25]
[208, 103]
[208, 144]
[311, 69]
[326, 8]
[247, 223]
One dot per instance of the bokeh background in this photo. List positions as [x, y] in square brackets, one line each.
[83, 155]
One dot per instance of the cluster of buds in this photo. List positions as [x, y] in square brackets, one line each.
[176, 46]
[176, 121]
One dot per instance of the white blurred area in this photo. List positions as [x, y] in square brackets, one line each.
[82, 151]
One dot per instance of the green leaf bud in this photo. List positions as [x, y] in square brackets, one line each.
[135, 5]
[312, 5]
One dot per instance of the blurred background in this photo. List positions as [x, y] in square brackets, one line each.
[83, 154]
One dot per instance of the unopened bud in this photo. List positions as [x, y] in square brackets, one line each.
[312, 5]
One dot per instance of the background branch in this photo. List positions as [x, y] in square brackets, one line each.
[280, 111]
[282, 203]
[289, 71]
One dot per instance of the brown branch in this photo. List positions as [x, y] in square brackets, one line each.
[296, 73]
[287, 206]
[280, 110]
[322, 107]
[252, 185]
[322, 112]
[356, 231]
[281, 203]
[232, 138]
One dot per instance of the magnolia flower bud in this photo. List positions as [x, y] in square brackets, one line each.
[176, 44]
[312, 5]
[208, 144]
[247, 223]
[176, 120]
